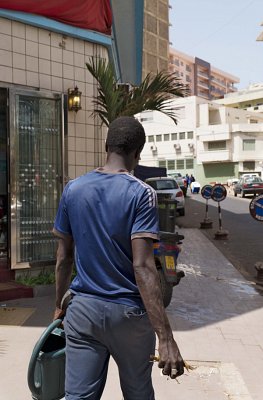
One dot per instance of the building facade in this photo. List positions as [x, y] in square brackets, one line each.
[203, 79]
[155, 36]
[42, 143]
[211, 141]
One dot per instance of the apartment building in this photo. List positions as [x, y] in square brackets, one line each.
[155, 36]
[204, 80]
[211, 141]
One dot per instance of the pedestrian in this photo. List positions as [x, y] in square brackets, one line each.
[192, 179]
[111, 219]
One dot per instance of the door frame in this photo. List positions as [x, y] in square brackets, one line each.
[13, 92]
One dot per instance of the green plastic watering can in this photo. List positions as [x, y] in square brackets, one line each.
[46, 370]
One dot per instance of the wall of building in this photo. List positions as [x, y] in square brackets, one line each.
[155, 36]
[39, 59]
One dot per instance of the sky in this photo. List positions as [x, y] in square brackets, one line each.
[221, 32]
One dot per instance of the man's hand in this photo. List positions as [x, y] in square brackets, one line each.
[58, 314]
[170, 359]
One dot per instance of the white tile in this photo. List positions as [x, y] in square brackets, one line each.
[6, 74]
[44, 81]
[18, 29]
[19, 61]
[32, 64]
[5, 26]
[79, 60]
[6, 58]
[56, 84]
[5, 42]
[56, 69]
[88, 48]
[56, 54]
[44, 66]
[80, 170]
[44, 37]
[72, 158]
[19, 45]
[31, 33]
[32, 79]
[67, 57]
[80, 158]
[71, 143]
[72, 172]
[81, 130]
[78, 46]
[80, 143]
[80, 76]
[56, 39]
[69, 43]
[19, 76]
[44, 51]
[90, 159]
[68, 72]
[32, 49]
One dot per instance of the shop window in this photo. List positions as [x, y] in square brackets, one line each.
[170, 164]
[190, 135]
[174, 136]
[158, 138]
[189, 163]
[166, 137]
[162, 163]
[151, 138]
[181, 135]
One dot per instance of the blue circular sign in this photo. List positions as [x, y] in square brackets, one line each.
[218, 192]
[206, 191]
[256, 208]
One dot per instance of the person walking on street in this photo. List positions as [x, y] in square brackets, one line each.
[109, 219]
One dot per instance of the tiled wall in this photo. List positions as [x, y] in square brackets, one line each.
[39, 59]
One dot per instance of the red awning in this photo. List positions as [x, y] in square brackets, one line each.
[87, 14]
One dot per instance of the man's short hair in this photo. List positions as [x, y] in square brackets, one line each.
[125, 135]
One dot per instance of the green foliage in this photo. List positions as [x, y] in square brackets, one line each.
[154, 93]
[43, 278]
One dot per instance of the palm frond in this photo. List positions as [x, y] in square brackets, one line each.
[154, 93]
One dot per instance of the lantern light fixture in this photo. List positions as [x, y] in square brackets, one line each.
[74, 99]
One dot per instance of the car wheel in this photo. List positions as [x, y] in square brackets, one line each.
[235, 193]
[182, 212]
[242, 193]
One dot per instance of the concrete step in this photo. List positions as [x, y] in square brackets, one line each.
[11, 290]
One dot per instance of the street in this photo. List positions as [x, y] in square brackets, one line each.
[243, 247]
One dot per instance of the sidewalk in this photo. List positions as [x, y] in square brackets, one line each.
[217, 318]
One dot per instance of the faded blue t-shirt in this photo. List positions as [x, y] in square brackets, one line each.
[103, 213]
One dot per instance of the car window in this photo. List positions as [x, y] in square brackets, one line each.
[163, 184]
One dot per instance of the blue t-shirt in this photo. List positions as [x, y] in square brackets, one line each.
[103, 212]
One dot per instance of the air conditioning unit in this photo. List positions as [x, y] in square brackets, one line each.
[177, 146]
[153, 148]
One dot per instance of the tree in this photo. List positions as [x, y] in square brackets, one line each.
[154, 93]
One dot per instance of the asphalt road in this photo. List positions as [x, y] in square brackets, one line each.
[243, 246]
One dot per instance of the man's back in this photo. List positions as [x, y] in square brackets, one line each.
[103, 212]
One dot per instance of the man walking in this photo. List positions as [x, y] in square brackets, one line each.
[109, 219]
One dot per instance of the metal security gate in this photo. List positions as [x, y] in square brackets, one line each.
[36, 175]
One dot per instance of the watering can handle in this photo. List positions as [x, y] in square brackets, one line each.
[35, 353]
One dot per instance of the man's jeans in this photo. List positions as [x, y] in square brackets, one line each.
[97, 329]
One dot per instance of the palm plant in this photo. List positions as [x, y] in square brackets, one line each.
[154, 93]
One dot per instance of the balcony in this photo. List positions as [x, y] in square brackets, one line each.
[214, 156]
[210, 133]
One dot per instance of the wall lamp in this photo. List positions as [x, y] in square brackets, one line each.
[74, 99]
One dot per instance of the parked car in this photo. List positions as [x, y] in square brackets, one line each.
[232, 181]
[169, 186]
[253, 185]
[182, 185]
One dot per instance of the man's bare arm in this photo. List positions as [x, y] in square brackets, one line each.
[149, 286]
[64, 267]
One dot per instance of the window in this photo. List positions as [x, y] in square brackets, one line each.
[189, 163]
[190, 135]
[188, 68]
[174, 136]
[249, 144]
[166, 137]
[181, 135]
[248, 165]
[182, 74]
[180, 164]
[158, 138]
[253, 121]
[182, 63]
[187, 78]
[151, 138]
[162, 163]
[171, 164]
[218, 145]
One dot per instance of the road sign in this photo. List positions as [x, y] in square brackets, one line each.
[256, 208]
[218, 192]
[206, 192]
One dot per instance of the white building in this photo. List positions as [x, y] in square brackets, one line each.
[211, 141]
